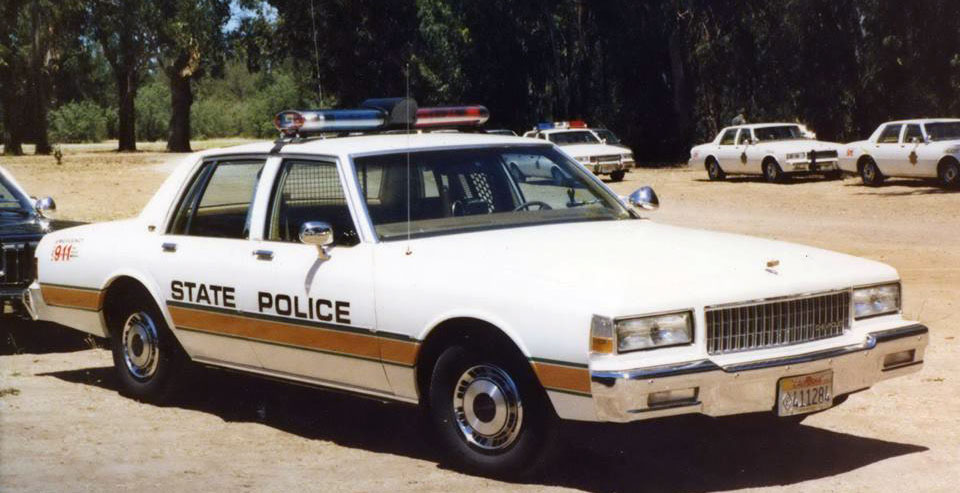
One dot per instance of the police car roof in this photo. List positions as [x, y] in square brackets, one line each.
[377, 143]
[925, 120]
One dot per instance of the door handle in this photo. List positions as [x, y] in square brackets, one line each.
[169, 247]
[263, 254]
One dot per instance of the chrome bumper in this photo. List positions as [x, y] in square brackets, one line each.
[623, 396]
[604, 168]
[831, 165]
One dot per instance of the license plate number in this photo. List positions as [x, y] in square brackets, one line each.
[805, 393]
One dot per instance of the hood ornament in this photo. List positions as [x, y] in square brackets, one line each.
[771, 266]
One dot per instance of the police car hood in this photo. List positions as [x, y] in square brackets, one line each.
[584, 150]
[633, 266]
[798, 145]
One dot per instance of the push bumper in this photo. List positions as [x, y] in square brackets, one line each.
[706, 388]
[18, 299]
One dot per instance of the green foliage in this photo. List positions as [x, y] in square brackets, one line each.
[153, 110]
[82, 121]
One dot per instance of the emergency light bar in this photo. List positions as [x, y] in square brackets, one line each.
[378, 114]
[452, 116]
[562, 125]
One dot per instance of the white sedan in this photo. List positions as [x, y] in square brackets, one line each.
[774, 150]
[417, 268]
[927, 148]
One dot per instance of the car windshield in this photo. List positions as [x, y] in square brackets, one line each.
[463, 190]
[11, 200]
[943, 131]
[607, 136]
[782, 132]
[573, 137]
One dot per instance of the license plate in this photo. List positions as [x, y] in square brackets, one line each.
[805, 393]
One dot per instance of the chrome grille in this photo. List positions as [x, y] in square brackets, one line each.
[607, 158]
[16, 263]
[777, 323]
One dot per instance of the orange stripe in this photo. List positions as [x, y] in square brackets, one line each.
[563, 377]
[87, 299]
[276, 332]
[402, 352]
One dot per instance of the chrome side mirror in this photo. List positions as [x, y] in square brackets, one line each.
[45, 205]
[644, 198]
[317, 233]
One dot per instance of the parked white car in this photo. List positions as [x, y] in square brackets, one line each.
[774, 150]
[580, 142]
[417, 268]
[923, 148]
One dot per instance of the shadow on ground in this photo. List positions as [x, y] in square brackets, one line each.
[895, 188]
[689, 454]
[794, 180]
[27, 337]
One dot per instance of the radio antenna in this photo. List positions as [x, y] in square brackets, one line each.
[316, 53]
[409, 187]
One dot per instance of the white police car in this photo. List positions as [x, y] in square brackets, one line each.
[922, 148]
[583, 144]
[415, 267]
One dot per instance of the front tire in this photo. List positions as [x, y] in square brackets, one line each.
[870, 174]
[714, 171]
[949, 173]
[773, 173]
[489, 412]
[617, 175]
[146, 356]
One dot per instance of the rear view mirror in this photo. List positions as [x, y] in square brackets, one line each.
[644, 198]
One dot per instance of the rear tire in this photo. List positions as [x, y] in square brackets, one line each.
[146, 356]
[617, 175]
[714, 171]
[870, 174]
[949, 173]
[489, 412]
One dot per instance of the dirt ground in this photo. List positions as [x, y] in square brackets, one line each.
[64, 427]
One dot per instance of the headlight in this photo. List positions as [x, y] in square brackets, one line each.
[796, 155]
[638, 333]
[876, 300]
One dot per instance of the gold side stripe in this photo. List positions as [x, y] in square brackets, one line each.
[84, 299]
[366, 346]
[563, 377]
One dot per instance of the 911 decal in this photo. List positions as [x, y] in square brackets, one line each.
[64, 250]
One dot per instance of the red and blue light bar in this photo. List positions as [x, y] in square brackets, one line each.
[562, 125]
[378, 114]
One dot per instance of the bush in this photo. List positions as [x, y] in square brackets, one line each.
[153, 110]
[83, 121]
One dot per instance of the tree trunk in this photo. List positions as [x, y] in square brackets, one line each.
[126, 125]
[181, 98]
[12, 111]
[40, 82]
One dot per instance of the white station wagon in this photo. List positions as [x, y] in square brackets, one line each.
[928, 148]
[417, 268]
[775, 151]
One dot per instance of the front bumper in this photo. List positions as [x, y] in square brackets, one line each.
[806, 166]
[18, 301]
[605, 168]
[622, 396]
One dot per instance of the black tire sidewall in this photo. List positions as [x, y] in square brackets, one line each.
[617, 175]
[714, 172]
[775, 166]
[521, 458]
[943, 175]
[877, 176]
[158, 387]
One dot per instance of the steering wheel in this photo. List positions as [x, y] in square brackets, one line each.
[526, 205]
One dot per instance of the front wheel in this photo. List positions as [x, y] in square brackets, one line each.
[489, 413]
[773, 173]
[870, 174]
[146, 357]
[617, 175]
[714, 171]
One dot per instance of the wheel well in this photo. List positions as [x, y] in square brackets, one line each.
[706, 162]
[767, 160]
[943, 162]
[121, 288]
[863, 162]
[468, 331]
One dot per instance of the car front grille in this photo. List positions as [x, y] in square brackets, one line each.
[819, 155]
[777, 323]
[16, 263]
[606, 159]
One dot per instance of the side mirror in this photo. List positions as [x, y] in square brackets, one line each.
[644, 198]
[317, 233]
[45, 205]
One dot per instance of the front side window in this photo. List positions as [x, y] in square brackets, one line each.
[308, 191]
[890, 134]
[451, 191]
[574, 137]
[729, 137]
[217, 204]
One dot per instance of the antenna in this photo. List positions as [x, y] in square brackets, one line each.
[409, 188]
[316, 53]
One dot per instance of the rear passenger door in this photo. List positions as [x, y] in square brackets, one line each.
[727, 154]
[311, 309]
[887, 153]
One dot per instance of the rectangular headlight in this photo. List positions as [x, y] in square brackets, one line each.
[670, 329]
[796, 155]
[876, 300]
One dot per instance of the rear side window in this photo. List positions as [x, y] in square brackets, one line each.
[890, 134]
[744, 136]
[729, 137]
[218, 201]
[913, 132]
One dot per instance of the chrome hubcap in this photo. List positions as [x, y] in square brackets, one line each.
[868, 172]
[487, 407]
[950, 174]
[141, 352]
